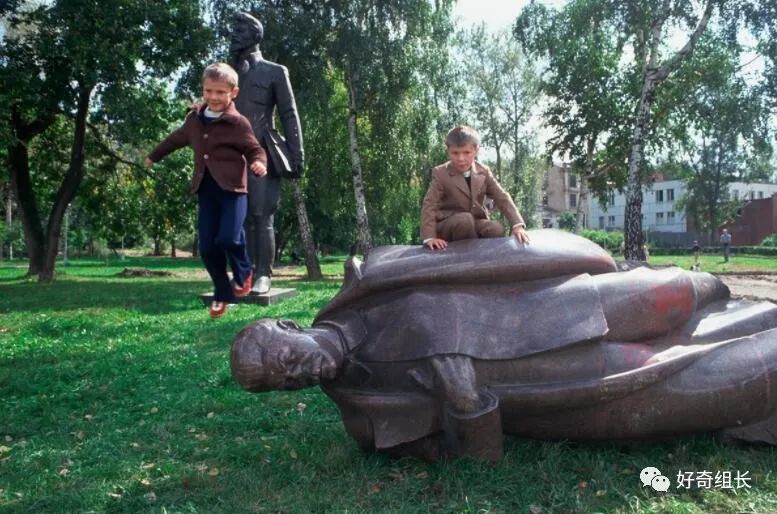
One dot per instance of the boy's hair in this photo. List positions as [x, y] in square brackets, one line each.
[462, 135]
[222, 72]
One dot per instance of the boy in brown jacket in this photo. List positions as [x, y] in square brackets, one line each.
[453, 206]
[223, 141]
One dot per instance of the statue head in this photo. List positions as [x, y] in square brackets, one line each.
[247, 32]
[278, 354]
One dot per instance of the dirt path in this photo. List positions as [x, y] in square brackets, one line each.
[752, 287]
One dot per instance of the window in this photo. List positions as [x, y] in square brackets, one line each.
[572, 200]
[611, 199]
[670, 195]
[610, 221]
[760, 194]
[670, 217]
[545, 200]
[752, 195]
[572, 180]
[736, 194]
[659, 218]
[660, 195]
[547, 223]
[601, 221]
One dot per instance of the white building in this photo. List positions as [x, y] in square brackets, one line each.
[659, 212]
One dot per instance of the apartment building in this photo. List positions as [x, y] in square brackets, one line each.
[659, 205]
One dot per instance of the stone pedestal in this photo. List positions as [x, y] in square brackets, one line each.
[273, 296]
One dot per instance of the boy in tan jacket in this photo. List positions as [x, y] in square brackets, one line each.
[453, 206]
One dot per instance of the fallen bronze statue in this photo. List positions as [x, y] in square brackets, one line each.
[436, 354]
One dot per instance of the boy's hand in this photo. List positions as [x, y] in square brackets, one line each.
[148, 162]
[520, 234]
[436, 244]
[259, 168]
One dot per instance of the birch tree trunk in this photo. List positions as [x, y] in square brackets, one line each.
[306, 233]
[356, 169]
[653, 75]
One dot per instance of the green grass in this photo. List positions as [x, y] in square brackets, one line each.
[116, 396]
[715, 263]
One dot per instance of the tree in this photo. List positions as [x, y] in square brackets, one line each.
[638, 34]
[723, 136]
[65, 67]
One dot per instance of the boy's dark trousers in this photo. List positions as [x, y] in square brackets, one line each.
[222, 238]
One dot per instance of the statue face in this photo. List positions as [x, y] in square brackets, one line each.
[278, 354]
[243, 36]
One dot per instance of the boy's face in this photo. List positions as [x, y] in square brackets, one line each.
[462, 156]
[217, 94]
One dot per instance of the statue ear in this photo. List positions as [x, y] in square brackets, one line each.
[288, 324]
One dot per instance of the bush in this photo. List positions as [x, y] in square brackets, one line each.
[770, 241]
[609, 240]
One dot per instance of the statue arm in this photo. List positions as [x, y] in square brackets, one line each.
[287, 111]
[473, 422]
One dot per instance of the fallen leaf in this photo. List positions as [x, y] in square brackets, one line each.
[114, 495]
[293, 454]
[201, 468]
[135, 445]
[535, 509]
[146, 482]
[201, 437]
[150, 497]
[64, 472]
[81, 434]
[582, 484]
[210, 415]
[142, 422]
[422, 475]
[153, 410]
[88, 417]
[374, 488]
[148, 466]
[8, 439]
[4, 449]
[601, 492]
[213, 472]
[301, 406]
[192, 430]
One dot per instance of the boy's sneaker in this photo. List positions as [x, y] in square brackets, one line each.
[217, 309]
[245, 288]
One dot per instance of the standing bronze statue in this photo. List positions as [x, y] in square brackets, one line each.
[438, 353]
[264, 85]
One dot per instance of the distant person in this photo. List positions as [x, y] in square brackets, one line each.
[223, 142]
[696, 250]
[454, 207]
[725, 241]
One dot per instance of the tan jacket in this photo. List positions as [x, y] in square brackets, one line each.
[448, 194]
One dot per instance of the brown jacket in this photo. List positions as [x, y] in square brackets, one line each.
[222, 147]
[448, 194]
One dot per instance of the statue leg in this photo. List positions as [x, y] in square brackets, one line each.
[263, 198]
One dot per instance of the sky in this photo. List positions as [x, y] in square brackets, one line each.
[496, 14]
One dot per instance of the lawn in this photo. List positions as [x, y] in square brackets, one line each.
[116, 396]
[716, 264]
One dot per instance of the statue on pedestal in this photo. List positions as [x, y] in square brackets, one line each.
[264, 85]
